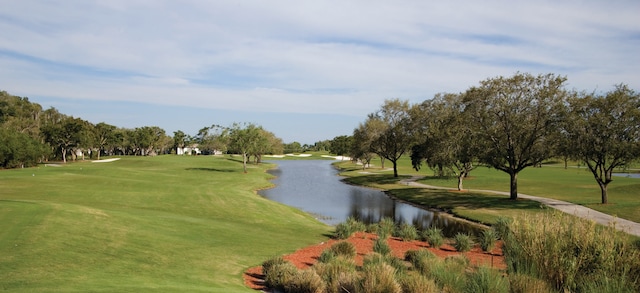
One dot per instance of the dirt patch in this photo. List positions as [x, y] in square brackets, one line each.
[363, 242]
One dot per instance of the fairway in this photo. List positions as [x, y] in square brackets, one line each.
[166, 223]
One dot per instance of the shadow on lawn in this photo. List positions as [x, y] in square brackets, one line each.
[440, 198]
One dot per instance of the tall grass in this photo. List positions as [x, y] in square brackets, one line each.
[572, 254]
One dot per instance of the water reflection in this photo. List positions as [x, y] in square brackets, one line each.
[314, 187]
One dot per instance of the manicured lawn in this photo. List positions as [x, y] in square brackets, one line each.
[572, 184]
[164, 223]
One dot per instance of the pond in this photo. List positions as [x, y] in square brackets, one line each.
[314, 186]
[628, 175]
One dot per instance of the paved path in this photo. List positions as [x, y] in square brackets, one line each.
[567, 207]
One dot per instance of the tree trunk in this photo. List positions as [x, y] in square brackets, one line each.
[64, 155]
[514, 186]
[244, 162]
[382, 162]
[460, 178]
[395, 169]
[603, 191]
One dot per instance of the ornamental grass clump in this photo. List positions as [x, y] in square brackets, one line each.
[344, 249]
[487, 280]
[339, 274]
[305, 281]
[433, 236]
[572, 254]
[488, 240]
[379, 278]
[420, 259]
[381, 246]
[280, 275]
[416, 283]
[407, 232]
[386, 226]
[462, 242]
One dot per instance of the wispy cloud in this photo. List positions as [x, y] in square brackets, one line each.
[304, 56]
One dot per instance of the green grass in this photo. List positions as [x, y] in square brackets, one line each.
[573, 184]
[164, 223]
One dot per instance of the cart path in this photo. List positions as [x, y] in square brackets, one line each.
[627, 226]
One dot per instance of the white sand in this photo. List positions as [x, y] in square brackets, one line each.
[105, 161]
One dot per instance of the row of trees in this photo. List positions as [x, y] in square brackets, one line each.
[508, 123]
[29, 135]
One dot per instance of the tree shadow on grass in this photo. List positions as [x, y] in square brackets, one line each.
[374, 179]
[213, 170]
[446, 199]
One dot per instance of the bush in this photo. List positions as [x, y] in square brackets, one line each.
[326, 256]
[522, 283]
[449, 273]
[379, 278]
[420, 259]
[386, 226]
[343, 231]
[502, 227]
[572, 254]
[268, 264]
[344, 248]
[407, 232]
[434, 237]
[338, 274]
[306, 281]
[381, 246]
[416, 283]
[279, 275]
[488, 240]
[462, 242]
[486, 280]
[356, 225]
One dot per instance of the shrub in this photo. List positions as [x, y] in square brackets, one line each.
[343, 231]
[502, 227]
[356, 225]
[379, 278]
[448, 273]
[344, 248]
[420, 259]
[338, 274]
[572, 254]
[306, 281]
[386, 226]
[416, 283]
[279, 275]
[462, 242]
[522, 283]
[372, 228]
[268, 264]
[486, 280]
[488, 240]
[407, 232]
[381, 246]
[326, 256]
[434, 237]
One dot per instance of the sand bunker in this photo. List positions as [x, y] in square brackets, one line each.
[105, 161]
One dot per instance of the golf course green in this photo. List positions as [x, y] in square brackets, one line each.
[166, 223]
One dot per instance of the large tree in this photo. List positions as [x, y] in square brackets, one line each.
[65, 135]
[340, 145]
[243, 140]
[514, 118]
[446, 144]
[104, 137]
[604, 132]
[396, 135]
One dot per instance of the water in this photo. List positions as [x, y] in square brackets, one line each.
[315, 187]
[628, 175]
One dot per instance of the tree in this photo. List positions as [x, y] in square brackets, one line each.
[515, 118]
[18, 149]
[604, 132]
[361, 145]
[396, 135]
[179, 140]
[66, 135]
[104, 135]
[340, 145]
[243, 140]
[447, 145]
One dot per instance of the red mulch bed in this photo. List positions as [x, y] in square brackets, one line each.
[363, 242]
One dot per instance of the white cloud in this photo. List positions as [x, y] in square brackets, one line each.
[297, 56]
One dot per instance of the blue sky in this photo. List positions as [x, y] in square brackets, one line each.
[305, 70]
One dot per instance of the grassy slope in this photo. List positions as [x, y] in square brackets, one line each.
[573, 185]
[166, 223]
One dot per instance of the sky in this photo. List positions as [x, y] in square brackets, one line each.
[304, 70]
